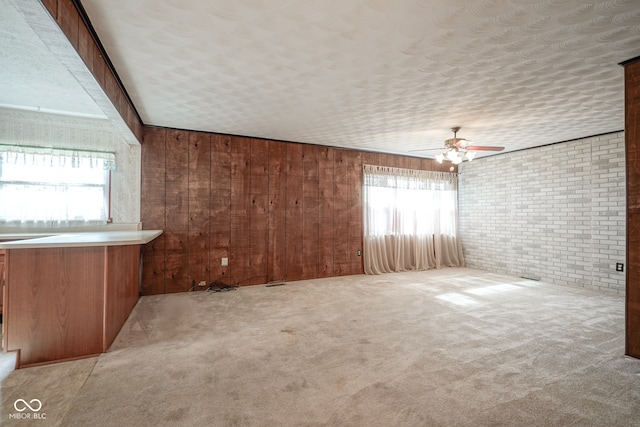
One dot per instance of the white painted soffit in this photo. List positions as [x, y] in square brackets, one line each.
[41, 71]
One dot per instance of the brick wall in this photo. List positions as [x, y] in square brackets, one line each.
[556, 213]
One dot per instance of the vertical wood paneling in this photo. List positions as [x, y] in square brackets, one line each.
[404, 162]
[199, 173]
[52, 7]
[259, 210]
[153, 209]
[240, 249]
[276, 267]
[310, 212]
[390, 160]
[326, 208]
[632, 143]
[177, 213]
[294, 210]
[278, 211]
[430, 164]
[416, 163]
[220, 207]
[68, 19]
[341, 213]
[370, 158]
[85, 46]
[355, 212]
[99, 67]
[632, 295]
[632, 134]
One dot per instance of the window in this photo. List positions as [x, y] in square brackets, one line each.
[406, 209]
[410, 220]
[48, 188]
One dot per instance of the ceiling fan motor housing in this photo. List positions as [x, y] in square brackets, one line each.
[454, 142]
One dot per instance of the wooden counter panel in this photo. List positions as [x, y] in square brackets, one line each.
[121, 288]
[54, 311]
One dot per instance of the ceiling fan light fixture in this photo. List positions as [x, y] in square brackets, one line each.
[458, 150]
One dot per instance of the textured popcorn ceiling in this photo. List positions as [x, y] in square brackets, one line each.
[383, 75]
[31, 76]
[41, 71]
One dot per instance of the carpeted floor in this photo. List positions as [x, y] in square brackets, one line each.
[450, 347]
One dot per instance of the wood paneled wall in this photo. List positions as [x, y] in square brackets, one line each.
[68, 18]
[278, 211]
[632, 141]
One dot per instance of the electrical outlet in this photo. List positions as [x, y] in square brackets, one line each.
[202, 283]
[225, 261]
[619, 266]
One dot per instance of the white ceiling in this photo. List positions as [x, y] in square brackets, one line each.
[41, 71]
[31, 76]
[382, 75]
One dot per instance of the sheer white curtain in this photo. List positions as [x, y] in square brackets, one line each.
[410, 220]
[44, 187]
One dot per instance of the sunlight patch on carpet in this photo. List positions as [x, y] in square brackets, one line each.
[456, 298]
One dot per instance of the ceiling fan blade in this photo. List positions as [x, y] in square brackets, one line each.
[483, 148]
[426, 149]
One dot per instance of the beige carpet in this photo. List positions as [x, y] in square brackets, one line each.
[450, 347]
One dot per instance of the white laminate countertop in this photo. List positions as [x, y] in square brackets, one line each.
[81, 239]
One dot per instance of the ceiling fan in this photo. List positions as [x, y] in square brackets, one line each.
[458, 150]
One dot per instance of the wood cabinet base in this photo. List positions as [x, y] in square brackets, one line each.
[67, 303]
